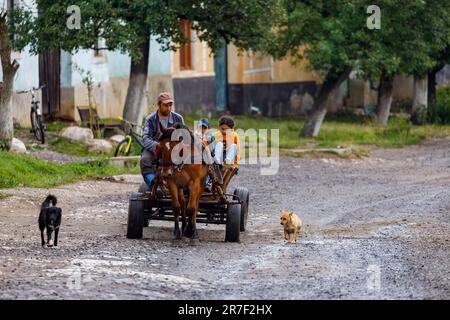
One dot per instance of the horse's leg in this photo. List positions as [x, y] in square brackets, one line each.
[176, 210]
[192, 209]
[183, 210]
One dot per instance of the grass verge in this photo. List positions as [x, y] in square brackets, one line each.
[344, 133]
[23, 171]
[74, 148]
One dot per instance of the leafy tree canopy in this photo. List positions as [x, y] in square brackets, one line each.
[125, 24]
[333, 35]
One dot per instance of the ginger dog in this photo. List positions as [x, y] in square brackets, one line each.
[292, 225]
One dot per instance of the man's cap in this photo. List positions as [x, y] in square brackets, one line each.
[204, 123]
[165, 97]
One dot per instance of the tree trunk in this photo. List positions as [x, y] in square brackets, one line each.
[432, 85]
[136, 101]
[319, 109]
[384, 99]
[420, 100]
[9, 70]
[442, 58]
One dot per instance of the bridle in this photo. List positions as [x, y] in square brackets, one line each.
[169, 163]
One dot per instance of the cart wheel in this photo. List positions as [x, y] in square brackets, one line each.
[232, 231]
[143, 188]
[135, 217]
[243, 195]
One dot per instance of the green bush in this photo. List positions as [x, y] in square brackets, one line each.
[439, 112]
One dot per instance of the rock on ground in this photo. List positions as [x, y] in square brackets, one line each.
[77, 134]
[100, 146]
[18, 146]
[57, 157]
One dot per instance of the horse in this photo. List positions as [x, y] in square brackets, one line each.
[182, 177]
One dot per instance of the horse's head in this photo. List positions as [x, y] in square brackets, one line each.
[165, 148]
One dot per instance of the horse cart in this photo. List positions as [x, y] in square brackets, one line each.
[231, 209]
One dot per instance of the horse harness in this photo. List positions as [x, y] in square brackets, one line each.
[170, 163]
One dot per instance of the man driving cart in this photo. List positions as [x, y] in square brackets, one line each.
[167, 118]
[152, 132]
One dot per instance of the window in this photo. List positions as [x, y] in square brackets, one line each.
[186, 48]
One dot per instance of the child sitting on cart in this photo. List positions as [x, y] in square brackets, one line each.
[207, 138]
[224, 147]
[226, 143]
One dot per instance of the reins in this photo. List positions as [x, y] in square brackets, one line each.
[178, 167]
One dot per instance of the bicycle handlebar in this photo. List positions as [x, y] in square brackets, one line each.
[129, 122]
[31, 90]
[41, 87]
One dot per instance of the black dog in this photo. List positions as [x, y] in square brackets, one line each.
[50, 218]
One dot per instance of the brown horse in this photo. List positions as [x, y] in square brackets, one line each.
[179, 178]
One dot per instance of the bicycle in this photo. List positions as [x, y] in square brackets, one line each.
[37, 123]
[124, 147]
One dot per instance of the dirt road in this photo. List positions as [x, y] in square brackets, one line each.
[374, 228]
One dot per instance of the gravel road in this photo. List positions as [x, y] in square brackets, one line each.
[374, 228]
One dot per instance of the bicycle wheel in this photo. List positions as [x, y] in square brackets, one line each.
[40, 129]
[33, 121]
[37, 125]
[122, 149]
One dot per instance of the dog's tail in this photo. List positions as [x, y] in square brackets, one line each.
[52, 199]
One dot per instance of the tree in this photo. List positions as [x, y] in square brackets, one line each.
[11, 22]
[332, 36]
[127, 25]
[433, 21]
[410, 35]
[335, 38]
[382, 61]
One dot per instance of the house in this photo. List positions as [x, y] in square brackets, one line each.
[275, 87]
[63, 73]
[110, 72]
[234, 81]
[243, 80]
[193, 75]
